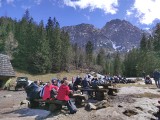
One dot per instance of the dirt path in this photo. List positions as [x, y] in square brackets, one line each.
[131, 103]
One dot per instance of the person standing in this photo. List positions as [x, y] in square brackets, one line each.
[156, 76]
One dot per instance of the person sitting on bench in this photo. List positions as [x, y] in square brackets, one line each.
[87, 85]
[63, 95]
[46, 91]
[148, 80]
[76, 83]
[94, 83]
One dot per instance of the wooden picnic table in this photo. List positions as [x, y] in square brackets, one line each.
[99, 93]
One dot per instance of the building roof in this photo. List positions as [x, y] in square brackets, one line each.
[6, 68]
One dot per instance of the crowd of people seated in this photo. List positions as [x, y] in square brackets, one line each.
[61, 89]
[94, 81]
[52, 90]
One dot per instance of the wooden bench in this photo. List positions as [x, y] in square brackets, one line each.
[49, 104]
[53, 105]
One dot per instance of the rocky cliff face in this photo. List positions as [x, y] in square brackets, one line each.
[123, 34]
[115, 35]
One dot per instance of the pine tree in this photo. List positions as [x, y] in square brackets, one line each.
[57, 48]
[65, 50]
[101, 57]
[53, 36]
[49, 37]
[7, 26]
[89, 53]
[2, 39]
[10, 44]
[76, 55]
[130, 63]
[143, 43]
[109, 67]
[117, 64]
[147, 62]
[26, 15]
[44, 49]
[150, 43]
[39, 59]
[20, 57]
[81, 63]
[157, 38]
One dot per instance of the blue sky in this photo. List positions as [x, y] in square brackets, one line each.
[141, 13]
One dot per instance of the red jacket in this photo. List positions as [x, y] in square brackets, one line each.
[63, 93]
[47, 90]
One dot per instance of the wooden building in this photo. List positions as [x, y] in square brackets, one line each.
[6, 71]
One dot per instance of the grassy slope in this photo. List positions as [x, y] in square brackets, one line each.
[48, 77]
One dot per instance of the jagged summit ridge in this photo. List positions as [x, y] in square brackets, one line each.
[115, 35]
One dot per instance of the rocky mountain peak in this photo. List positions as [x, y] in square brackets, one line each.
[123, 34]
[115, 35]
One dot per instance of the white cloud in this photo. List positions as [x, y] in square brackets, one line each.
[10, 1]
[129, 13]
[146, 11]
[38, 2]
[25, 7]
[108, 6]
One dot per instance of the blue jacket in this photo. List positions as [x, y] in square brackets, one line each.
[156, 75]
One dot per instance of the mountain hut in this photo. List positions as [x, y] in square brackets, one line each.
[6, 71]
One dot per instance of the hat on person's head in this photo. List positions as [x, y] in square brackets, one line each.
[65, 78]
[53, 80]
[147, 76]
[36, 82]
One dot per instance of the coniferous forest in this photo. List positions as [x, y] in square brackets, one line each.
[40, 48]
